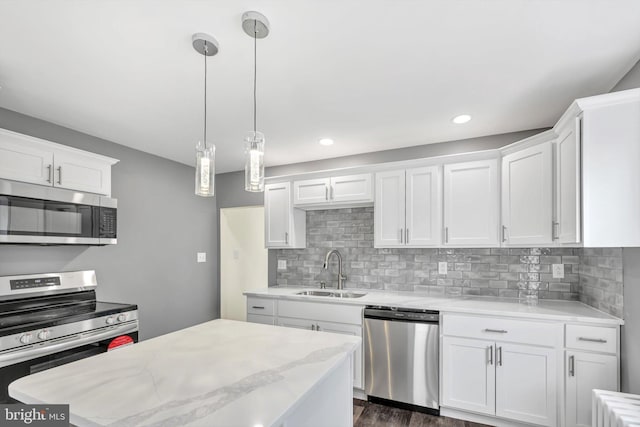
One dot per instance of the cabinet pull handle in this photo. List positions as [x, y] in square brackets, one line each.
[406, 236]
[331, 193]
[497, 331]
[499, 356]
[49, 170]
[490, 348]
[572, 366]
[401, 235]
[317, 327]
[554, 230]
[257, 307]
[504, 233]
[326, 192]
[60, 175]
[446, 234]
[598, 340]
[313, 327]
[286, 238]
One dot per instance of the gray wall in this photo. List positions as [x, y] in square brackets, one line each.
[631, 270]
[630, 80]
[161, 226]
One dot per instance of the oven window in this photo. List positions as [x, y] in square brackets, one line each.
[22, 216]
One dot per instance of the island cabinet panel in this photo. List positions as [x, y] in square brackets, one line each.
[471, 200]
[526, 384]
[527, 196]
[468, 374]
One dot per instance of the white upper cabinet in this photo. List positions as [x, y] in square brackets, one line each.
[389, 210]
[284, 225]
[28, 159]
[527, 196]
[407, 208]
[333, 190]
[471, 201]
[567, 186]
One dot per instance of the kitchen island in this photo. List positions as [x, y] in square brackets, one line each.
[219, 373]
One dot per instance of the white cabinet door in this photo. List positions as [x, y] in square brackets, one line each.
[22, 160]
[339, 328]
[471, 203]
[526, 384]
[527, 195]
[311, 191]
[389, 210]
[423, 207]
[567, 149]
[585, 372]
[352, 188]
[277, 211]
[77, 172]
[468, 375]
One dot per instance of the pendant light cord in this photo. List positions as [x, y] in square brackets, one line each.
[206, 50]
[255, 71]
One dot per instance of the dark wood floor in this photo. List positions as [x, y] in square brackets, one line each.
[367, 414]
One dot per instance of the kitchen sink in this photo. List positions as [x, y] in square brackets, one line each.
[333, 294]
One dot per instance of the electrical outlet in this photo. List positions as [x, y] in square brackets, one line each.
[442, 268]
[236, 254]
[202, 257]
[282, 264]
[558, 271]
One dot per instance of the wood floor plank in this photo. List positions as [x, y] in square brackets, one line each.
[367, 414]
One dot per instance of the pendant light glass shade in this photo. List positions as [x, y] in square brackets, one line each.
[205, 169]
[254, 162]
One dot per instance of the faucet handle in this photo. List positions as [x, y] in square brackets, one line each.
[323, 285]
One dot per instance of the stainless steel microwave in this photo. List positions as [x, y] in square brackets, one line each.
[36, 214]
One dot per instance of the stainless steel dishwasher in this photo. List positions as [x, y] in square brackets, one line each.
[401, 357]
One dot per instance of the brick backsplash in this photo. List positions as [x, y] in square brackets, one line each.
[499, 272]
[600, 272]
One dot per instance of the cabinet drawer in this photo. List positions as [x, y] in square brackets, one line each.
[500, 329]
[258, 318]
[264, 306]
[320, 311]
[594, 338]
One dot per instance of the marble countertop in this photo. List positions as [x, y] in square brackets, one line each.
[567, 311]
[219, 373]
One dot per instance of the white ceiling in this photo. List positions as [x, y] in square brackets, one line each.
[372, 75]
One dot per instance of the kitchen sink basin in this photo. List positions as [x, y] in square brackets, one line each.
[333, 294]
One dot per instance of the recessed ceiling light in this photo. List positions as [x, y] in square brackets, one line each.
[462, 118]
[326, 142]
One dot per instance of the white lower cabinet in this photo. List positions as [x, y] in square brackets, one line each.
[468, 375]
[259, 318]
[526, 384]
[511, 381]
[585, 372]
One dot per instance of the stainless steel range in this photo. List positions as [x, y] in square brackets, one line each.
[47, 320]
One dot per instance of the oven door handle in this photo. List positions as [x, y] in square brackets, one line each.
[21, 354]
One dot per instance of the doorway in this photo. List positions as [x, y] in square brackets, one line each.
[243, 258]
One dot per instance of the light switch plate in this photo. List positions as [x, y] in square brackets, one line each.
[442, 267]
[558, 271]
[202, 257]
[282, 264]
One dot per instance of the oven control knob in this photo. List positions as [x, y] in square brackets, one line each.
[26, 338]
[44, 335]
[110, 320]
[122, 317]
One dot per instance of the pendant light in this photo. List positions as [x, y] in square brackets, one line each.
[205, 45]
[256, 26]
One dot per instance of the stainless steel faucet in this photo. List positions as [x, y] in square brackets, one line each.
[341, 277]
